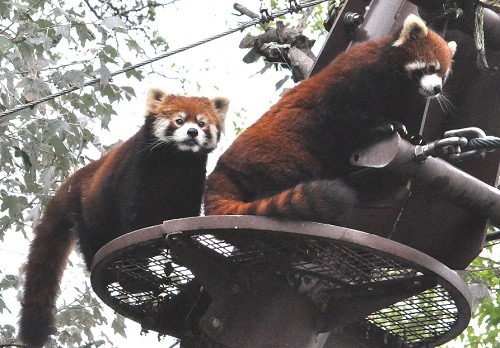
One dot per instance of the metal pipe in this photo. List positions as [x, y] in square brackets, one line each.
[432, 175]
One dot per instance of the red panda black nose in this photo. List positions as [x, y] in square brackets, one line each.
[192, 132]
[437, 89]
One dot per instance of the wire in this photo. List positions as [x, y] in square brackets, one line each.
[245, 25]
[495, 235]
[487, 143]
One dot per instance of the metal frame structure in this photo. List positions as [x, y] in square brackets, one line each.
[277, 283]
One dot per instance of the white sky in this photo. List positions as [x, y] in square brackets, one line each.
[213, 69]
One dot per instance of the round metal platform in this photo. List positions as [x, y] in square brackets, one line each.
[404, 298]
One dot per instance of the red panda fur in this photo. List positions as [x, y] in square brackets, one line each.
[294, 160]
[156, 175]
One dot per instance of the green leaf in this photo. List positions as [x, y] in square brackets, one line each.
[64, 31]
[13, 204]
[4, 10]
[2, 305]
[118, 325]
[111, 51]
[111, 92]
[5, 44]
[25, 157]
[58, 146]
[27, 52]
[104, 76]
[73, 78]
[135, 73]
[133, 45]
[113, 23]
[9, 281]
[129, 92]
[83, 32]
[53, 127]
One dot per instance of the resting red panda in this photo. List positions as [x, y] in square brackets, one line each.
[292, 161]
[156, 175]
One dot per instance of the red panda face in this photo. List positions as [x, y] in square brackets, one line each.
[428, 56]
[188, 123]
[428, 75]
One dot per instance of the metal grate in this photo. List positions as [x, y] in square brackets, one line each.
[420, 318]
[148, 282]
[144, 284]
[344, 265]
[415, 321]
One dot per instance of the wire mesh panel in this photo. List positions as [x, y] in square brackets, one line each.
[148, 282]
[326, 264]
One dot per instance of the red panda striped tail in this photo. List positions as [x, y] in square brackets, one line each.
[47, 259]
[328, 201]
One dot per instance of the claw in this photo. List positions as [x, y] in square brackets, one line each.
[388, 128]
[417, 140]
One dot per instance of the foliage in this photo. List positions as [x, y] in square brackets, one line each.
[45, 47]
[483, 277]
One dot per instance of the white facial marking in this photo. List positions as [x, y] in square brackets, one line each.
[430, 85]
[201, 118]
[215, 135]
[160, 126]
[415, 65]
[186, 135]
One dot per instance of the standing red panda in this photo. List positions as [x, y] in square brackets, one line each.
[291, 162]
[156, 175]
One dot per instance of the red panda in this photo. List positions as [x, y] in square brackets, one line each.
[293, 161]
[156, 175]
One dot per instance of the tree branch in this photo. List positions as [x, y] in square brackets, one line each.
[247, 12]
[303, 21]
[92, 9]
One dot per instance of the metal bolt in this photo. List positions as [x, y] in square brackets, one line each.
[235, 289]
[215, 322]
[353, 19]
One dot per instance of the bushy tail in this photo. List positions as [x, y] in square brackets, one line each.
[329, 201]
[47, 259]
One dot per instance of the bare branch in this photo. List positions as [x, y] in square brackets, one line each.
[247, 12]
[303, 21]
[92, 9]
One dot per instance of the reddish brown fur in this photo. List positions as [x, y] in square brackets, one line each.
[430, 49]
[136, 184]
[292, 162]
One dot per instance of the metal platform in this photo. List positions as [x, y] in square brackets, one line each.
[316, 284]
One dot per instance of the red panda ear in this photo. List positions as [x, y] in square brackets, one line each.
[221, 105]
[413, 28]
[452, 45]
[154, 98]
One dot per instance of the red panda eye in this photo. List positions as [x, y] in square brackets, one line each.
[432, 69]
[179, 121]
[418, 73]
[201, 124]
